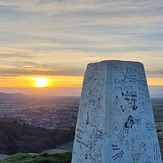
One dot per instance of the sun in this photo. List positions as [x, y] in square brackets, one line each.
[41, 82]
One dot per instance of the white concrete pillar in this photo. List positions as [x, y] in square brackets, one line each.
[115, 120]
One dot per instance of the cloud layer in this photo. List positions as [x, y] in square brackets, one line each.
[59, 37]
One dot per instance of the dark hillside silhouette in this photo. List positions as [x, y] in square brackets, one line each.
[15, 138]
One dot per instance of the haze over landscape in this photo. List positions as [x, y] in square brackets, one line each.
[56, 39]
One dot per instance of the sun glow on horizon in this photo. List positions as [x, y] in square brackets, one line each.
[41, 82]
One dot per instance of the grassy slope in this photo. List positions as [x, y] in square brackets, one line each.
[42, 158]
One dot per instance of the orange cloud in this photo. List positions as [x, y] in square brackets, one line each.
[155, 81]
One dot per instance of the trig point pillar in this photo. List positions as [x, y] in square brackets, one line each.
[115, 120]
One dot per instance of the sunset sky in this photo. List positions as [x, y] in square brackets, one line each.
[56, 39]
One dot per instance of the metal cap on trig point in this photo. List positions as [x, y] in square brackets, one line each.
[115, 120]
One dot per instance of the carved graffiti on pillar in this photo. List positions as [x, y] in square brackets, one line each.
[131, 74]
[148, 160]
[156, 149]
[142, 79]
[123, 88]
[116, 101]
[129, 94]
[142, 147]
[150, 125]
[130, 121]
[116, 128]
[124, 132]
[118, 155]
[136, 158]
[115, 147]
[134, 103]
[131, 98]
[120, 81]
[137, 120]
